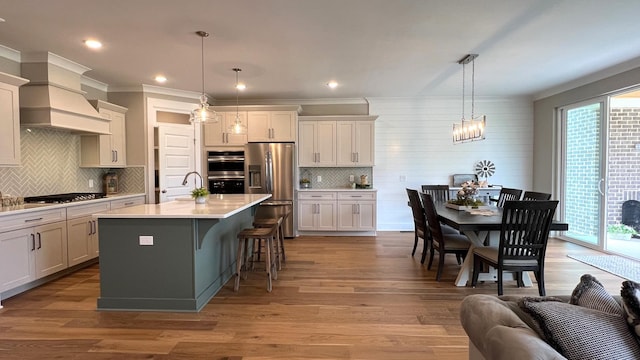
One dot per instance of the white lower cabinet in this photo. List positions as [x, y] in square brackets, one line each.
[339, 211]
[317, 211]
[82, 232]
[31, 253]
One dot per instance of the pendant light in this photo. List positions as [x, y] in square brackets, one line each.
[471, 129]
[202, 113]
[237, 127]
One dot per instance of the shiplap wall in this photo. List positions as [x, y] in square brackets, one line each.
[413, 141]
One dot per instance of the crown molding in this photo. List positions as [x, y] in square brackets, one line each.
[9, 53]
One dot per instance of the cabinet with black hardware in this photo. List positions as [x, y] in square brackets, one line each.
[82, 232]
[32, 246]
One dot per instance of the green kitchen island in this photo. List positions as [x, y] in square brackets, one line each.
[172, 256]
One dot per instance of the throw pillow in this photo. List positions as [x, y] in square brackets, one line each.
[630, 294]
[591, 294]
[582, 333]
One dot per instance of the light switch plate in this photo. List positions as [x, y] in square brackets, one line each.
[145, 240]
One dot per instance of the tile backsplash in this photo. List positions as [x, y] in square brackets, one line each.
[50, 165]
[335, 178]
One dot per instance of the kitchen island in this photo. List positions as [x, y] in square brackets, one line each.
[172, 256]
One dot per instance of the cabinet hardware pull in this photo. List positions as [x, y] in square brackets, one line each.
[33, 242]
[116, 151]
[128, 203]
[95, 227]
[90, 227]
[357, 157]
[358, 208]
[356, 196]
[31, 220]
[39, 241]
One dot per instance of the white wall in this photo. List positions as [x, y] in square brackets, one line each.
[413, 139]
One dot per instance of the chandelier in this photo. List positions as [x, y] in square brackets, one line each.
[202, 113]
[471, 129]
[237, 127]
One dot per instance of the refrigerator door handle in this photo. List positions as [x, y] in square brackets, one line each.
[269, 172]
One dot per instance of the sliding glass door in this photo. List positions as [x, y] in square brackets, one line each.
[582, 171]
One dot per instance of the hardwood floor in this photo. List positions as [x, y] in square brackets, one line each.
[336, 298]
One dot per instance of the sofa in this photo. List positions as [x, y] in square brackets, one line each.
[588, 324]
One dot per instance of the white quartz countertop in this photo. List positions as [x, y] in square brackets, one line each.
[26, 208]
[217, 207]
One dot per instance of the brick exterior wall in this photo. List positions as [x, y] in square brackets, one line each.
[582, 170]
[624, 160]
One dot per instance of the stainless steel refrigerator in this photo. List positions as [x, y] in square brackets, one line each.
[269, 169]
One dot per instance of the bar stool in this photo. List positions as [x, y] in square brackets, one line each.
[279, 243]
[267, 234]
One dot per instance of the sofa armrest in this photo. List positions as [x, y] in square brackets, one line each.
[500, 334]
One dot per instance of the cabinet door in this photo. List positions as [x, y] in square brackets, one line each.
[214, 132]
[283, 126]
[10, 124]
[326, 143]
[118, 140]
[364, 143]
[259, 126]
[231, 138]
[51, 248]
[80, 247]
[306, 215]
[345, 153]
[306, 143]
[17, 258]
[366, 215]
[326, 216]
[347, 216]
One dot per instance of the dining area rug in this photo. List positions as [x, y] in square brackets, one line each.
[617, 265]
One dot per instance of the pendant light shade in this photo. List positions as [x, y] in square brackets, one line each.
[202, 113]
[237, 126]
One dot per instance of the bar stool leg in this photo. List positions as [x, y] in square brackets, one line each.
[239, 261]
[268, 265]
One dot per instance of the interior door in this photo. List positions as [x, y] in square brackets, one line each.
[176, 158]
[583, 165]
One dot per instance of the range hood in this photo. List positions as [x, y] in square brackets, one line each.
[54, 97]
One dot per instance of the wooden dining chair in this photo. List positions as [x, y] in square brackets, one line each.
[532, 195]
[523, 242]
[507, 194]
[439, 193]
[419, 224]
[441, 242]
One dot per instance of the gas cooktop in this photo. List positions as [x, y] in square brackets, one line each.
[63, 198]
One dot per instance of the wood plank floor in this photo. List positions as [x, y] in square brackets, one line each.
[336, 298]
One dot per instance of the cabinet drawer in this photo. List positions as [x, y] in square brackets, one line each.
[117, 204]
[89, 209]
[317, 195]
[357, 195]
[35, 218]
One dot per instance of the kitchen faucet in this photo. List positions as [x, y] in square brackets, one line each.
[184, 182]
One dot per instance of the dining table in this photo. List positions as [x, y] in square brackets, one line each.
[477, 225]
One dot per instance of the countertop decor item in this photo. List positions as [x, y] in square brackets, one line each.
[200, 195]
[466, 196]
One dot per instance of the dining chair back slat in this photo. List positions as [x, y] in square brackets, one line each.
[533, 195]
[508, 194]
[439, 193]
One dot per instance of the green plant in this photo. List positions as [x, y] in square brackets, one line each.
[195, 193]
[621, 229]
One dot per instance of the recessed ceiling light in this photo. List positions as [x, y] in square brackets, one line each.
[93, 44]
[160, 78]
[1, 20]
[241, 86]
[332, 84]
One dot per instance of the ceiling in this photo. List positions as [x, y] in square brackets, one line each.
[290, 49]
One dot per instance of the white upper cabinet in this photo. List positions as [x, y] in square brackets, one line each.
[106, 150]
[356, 143]
[218, 134]
[271, 126]
[344, 141]
[317, 143]
[10, 119]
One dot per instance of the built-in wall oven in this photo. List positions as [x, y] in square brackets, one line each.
[225, 172]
